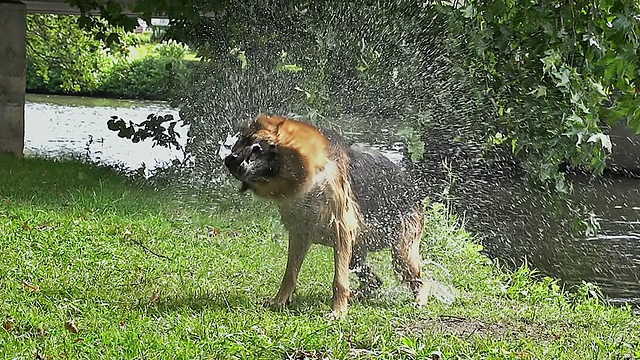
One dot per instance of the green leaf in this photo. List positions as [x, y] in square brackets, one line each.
[84, 22]
[563, 76]
[551, 61]
[469, 11]
[596, 85]
[113, 38]
[291, 67]
[605, 141]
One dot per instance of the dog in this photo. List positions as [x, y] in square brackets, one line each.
[349, 197]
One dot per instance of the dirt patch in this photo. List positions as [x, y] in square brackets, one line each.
[466, 327]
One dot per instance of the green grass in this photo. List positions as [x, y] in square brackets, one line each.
[75, 244]
[86, 101]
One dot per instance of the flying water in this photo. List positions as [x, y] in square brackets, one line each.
[386, 74]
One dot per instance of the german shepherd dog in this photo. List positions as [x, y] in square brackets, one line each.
[351, 198]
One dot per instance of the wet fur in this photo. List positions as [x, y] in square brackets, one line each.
[350, 198]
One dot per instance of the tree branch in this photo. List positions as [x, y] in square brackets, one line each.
[143, 246]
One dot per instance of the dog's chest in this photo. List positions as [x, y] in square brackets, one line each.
[310, 217]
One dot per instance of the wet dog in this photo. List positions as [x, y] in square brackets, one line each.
[328, 192]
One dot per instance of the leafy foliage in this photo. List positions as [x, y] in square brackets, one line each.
[62, 57]
[111, 11]
[154, 127]
[170, 49]
[151, 77]
[558, 72]
[379, 61]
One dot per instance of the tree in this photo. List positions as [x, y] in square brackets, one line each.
[555, 72]
[559, 72]
[64, 57]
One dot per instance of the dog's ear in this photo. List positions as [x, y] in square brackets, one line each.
[269, 124]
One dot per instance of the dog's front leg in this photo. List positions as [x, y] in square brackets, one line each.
[298, 248]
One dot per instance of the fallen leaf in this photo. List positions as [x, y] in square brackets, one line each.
[123, 323]
[8, 325]
[45, 226]
[79, 339]
[30, 286]
[40, 330]
[155, 297]
[127, 234]
[213, 232]
[71, 326]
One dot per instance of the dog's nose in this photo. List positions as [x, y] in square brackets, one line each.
[228, 161]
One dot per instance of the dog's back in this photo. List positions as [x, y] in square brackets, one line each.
[387, 201]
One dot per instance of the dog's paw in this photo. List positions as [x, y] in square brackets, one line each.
[423, 294]
[277, 303]
[339, 307]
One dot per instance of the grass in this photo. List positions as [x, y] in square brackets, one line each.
[87, 101]
[78, 279]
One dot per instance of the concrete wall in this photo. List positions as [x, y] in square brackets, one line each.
[12, 75]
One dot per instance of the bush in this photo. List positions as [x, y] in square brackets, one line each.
[170, 49]
[63, 58]
[141, 39]
[151, 77]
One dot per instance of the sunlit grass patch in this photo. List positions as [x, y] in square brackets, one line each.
[95, 265]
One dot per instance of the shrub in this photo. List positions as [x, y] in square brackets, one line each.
[150, 78]
[170, 49]
[63, 58]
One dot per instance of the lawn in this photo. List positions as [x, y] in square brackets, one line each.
[95, 265]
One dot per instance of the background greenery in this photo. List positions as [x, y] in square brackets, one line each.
[541, 80]
[64, 59]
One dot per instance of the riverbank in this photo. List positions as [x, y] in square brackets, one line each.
[99, 266]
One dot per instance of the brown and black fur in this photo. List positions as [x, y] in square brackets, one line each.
[350, 198]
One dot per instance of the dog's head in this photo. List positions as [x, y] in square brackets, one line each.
[277, 157]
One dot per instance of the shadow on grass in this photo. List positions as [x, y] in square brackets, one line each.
[66, 182]
[74, 184]
[304, 304]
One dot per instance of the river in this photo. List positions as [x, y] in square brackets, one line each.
[64, 125]
[512, 221]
